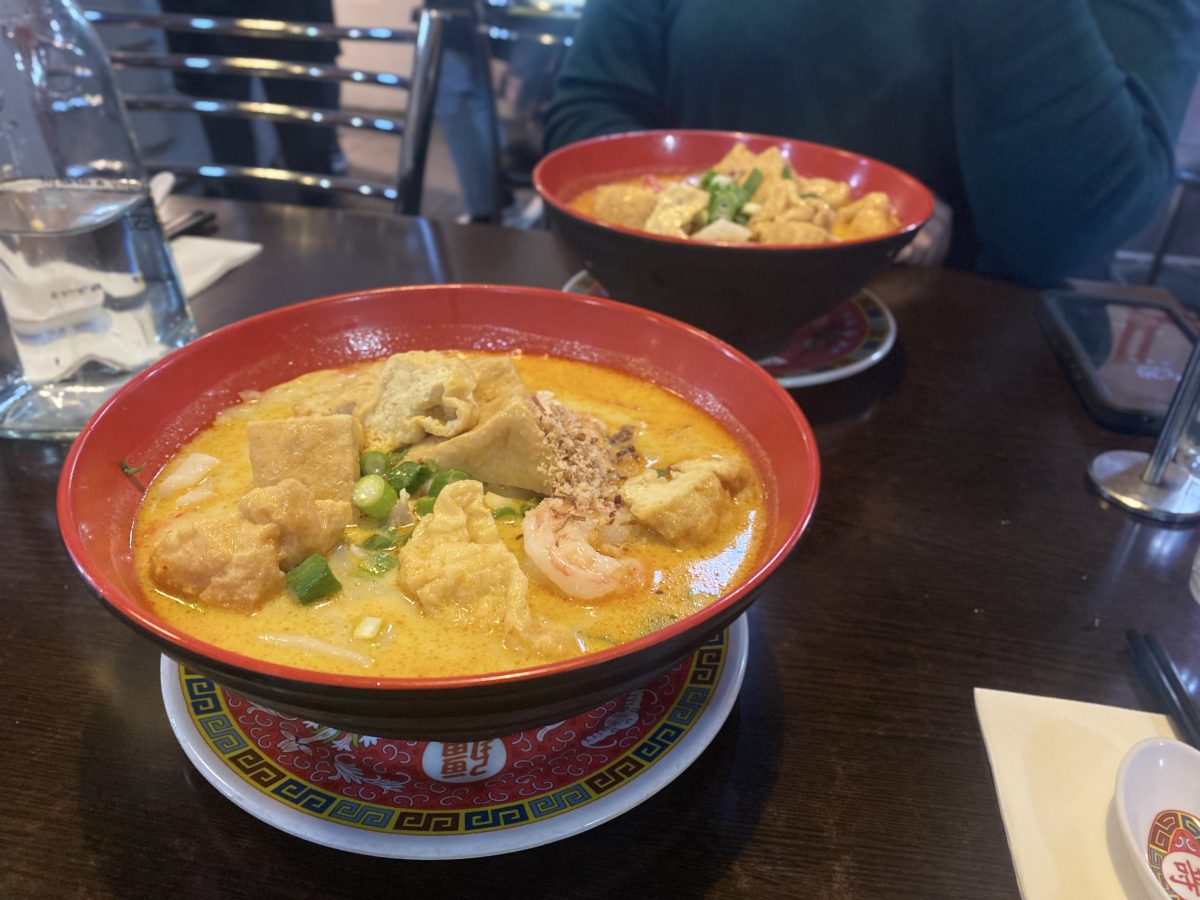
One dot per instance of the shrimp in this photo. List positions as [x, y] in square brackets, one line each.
[558, 542]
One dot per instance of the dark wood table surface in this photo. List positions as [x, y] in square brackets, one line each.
[955, 544]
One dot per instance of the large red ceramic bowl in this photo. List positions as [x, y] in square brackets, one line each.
[752, 295]
[149, 419]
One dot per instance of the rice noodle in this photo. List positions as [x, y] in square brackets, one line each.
[189, 472]
[314, 645]
[195, 495]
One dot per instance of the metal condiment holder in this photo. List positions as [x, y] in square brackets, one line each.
[1153, 484]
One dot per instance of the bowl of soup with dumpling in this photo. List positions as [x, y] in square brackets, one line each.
[439, 512]
[746, 236]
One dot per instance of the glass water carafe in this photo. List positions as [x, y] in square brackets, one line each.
[88, 287]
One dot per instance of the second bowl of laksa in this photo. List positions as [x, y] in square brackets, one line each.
[439, 512]
[747, 236]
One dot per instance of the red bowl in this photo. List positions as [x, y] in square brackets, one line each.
[149, 419]
[752, 295]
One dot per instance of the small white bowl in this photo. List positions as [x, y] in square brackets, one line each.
[1156, 775]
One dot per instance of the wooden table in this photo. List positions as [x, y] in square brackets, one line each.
[955, 545]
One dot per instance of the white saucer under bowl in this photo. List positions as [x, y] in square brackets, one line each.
[431, 800]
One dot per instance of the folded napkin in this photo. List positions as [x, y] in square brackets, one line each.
[1054, 763]
[200, 261]
[64, 316]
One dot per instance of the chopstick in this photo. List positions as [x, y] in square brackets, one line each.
[197, 218]
[1158, 673]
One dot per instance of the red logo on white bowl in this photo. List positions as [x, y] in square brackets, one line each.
[1173, 851]
[463, 761]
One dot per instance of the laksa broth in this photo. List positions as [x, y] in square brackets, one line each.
[446, 513]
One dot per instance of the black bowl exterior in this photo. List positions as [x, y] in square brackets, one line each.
[494, 709]
[752, 297]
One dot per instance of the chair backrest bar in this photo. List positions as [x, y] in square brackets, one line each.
[271, 112]
[246, 27]
[283, 176]
[244, 65]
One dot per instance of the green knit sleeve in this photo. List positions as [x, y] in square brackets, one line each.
[1065, 115]
[614, 76]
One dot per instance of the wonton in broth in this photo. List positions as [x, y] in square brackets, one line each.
[743, 198]
[446, 513]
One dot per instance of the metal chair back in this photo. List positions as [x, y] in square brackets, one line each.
[412, 124]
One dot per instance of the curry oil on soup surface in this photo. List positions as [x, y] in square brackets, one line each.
[439, 514]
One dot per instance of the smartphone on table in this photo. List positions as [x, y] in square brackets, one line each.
[1125, 355]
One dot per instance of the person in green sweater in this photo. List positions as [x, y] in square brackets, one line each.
[1047, 126]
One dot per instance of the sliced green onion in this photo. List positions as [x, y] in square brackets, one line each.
[664, 473]
[374, 496]
[131, 470]
[380, 540]
[377, 564]
[656, 622]
[312, 579]
[443, 478]
[787, 171]
[425, 505]
[750, 185]
[409, 475]
[396, 457]
[373, 463]
[505, 512]
[707, 178]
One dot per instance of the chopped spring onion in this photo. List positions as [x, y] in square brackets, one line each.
[505, 512]
[787, 171]
[373, 463]
[380, 540]
[409, 475]
[750, 185]
[396, 457]
[313, 645]
[425, 506]
[443, 478]
[374, 496]
[378, 563]
[707, 178]
[131, 470]
[727, 197]
[367, 628]
[312, 579]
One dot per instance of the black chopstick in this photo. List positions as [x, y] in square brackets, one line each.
[192, 221]
[1157, 671]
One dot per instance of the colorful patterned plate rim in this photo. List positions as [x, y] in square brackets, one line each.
[430, 800]
[1173, 852]
[849, 340]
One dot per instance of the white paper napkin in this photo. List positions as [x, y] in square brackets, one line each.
[1054, 764]
[60, 321]
[200, 261]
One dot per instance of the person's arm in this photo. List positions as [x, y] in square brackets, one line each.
[614, 76]
[1066, 114]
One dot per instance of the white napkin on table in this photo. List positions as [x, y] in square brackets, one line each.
[1054, 764]
[58, 318]
[200, 261]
